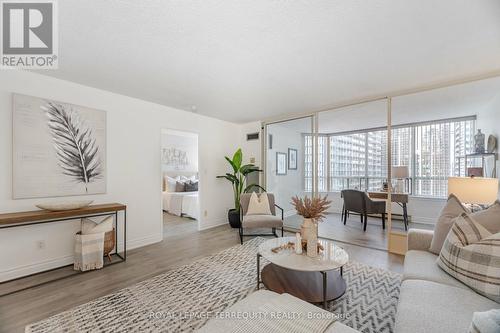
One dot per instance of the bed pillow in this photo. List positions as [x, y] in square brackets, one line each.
[180, 186]
[451, 210]
[489, 218]
[258, 205]
[170, 183]
[471, 255]
[187, 179]
[191, 186]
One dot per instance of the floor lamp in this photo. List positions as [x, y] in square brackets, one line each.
[474, 191]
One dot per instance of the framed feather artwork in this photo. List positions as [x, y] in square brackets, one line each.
[59, 149]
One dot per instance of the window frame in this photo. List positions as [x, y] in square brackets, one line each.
[412, 155]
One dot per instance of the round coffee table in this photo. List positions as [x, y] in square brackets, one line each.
[314, 280]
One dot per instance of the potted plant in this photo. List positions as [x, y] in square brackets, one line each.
[238, 179]
[313, 211]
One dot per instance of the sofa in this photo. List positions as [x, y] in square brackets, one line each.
[430, 299]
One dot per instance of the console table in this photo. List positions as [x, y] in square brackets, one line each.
[20, 219]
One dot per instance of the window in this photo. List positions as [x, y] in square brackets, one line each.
[432, 151]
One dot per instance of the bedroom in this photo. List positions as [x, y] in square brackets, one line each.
[179, 165]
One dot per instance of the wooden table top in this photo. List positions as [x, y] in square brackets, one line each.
[395, 197]
[41, 215]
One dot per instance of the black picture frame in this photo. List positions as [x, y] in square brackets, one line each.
[292, 158]
[281, 163]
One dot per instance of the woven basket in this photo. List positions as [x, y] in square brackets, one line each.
[109, 243]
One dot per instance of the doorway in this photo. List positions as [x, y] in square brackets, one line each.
[180, 182]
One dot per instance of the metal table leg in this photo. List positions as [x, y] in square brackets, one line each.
[405, 216]
[258, 271]
[324, 289]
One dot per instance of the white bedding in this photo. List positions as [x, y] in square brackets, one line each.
[182, 204]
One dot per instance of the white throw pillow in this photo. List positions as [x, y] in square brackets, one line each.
[485, 322]
[187, 179]
[259, 205]
[90, 227]
[170, 183]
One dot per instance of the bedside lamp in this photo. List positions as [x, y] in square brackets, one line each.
[474, 190]
[401, 173]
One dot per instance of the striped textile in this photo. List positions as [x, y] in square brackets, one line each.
[471, 254]
[89, 251]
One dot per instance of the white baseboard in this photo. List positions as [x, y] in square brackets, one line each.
[25, 270]
[213, 224]
[143, 241]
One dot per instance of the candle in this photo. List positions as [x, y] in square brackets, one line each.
[298, 243]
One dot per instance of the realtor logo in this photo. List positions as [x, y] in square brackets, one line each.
[29, 36]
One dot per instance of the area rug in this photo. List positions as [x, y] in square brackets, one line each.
[183, 299]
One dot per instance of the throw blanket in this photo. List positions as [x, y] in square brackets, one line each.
[89, 251]
[283, 314]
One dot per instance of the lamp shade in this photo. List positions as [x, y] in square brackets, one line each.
[400, 172]
[474, 190]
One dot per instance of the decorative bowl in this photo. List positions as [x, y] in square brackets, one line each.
[62, 206]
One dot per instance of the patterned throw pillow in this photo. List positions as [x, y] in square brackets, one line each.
[471, 254]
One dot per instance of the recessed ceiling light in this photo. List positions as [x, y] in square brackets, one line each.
[194, 108]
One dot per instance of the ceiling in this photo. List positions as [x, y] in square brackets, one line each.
[250, 60]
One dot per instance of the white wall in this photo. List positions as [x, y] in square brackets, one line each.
[134, 172]
[184, 141]
[251, 149]
[286, 186]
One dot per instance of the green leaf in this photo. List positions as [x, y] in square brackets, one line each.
[232, 164]
[249, 168]
[237, 159]
[228, 178]
[233, 178]
[249, 187]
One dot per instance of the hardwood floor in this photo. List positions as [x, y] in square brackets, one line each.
[175, 225]
[22, 308]
[333, 228]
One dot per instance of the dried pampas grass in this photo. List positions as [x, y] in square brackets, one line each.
[311, 208]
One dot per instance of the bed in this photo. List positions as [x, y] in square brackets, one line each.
[182, 204]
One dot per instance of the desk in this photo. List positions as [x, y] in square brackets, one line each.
[20, 219]
[399, 198]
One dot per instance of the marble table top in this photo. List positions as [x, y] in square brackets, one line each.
[332, 257]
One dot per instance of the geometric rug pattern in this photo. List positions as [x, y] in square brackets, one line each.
[184, 298]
